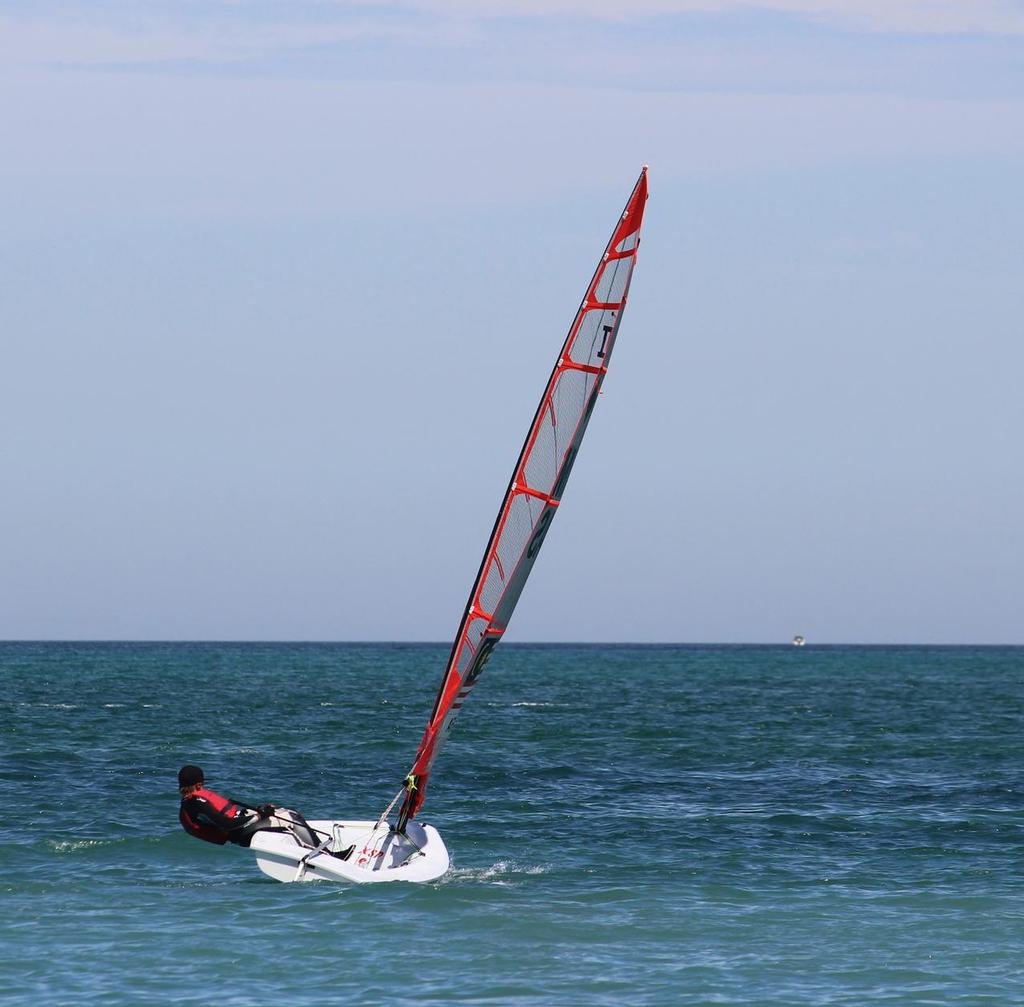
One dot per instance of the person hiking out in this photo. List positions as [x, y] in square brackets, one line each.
[207, 815]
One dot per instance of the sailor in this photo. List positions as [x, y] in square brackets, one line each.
[215, 819]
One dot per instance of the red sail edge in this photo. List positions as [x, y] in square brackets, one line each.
[536, 486]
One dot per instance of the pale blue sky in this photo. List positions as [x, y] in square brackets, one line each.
[280, 285]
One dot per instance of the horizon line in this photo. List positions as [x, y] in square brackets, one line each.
[518, 643]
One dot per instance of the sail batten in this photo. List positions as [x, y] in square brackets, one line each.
[535, 487]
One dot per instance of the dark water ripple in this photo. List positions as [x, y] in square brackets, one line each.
[642, 825]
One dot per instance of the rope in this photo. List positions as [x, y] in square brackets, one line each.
[387, 811]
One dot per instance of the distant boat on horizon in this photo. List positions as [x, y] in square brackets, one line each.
[798, 641]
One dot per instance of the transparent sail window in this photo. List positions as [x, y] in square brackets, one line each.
[590, 344]
[612, 283]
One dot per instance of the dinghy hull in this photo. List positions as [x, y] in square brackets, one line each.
[379, 854]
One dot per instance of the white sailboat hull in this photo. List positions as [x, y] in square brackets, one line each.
[380, 854]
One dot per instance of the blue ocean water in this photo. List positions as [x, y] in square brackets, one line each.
[628, 825]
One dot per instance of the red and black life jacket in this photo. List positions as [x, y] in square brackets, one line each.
[210, 833]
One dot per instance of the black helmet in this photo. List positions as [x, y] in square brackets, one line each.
[189, 776]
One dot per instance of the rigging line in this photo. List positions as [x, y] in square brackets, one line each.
[387, 811]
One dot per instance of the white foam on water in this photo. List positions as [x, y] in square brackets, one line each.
[71, 845]
[502, 872]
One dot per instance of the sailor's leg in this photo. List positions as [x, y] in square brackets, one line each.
[242, 836]
[297, 826]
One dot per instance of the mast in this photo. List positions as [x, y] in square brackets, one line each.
[535, 488]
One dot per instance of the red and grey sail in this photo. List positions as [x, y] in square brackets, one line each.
[536, 486]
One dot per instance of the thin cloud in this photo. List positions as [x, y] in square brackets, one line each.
[240, 31]
[104, 39]
[1000, 17]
